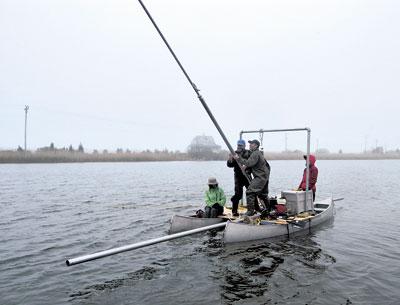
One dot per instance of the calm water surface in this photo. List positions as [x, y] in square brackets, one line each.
[50, 212]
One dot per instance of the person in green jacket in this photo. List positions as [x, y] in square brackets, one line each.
[215, 199]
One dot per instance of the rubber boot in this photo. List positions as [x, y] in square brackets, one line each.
[265, 207]
[235, 205]
[251, 199]
[207, 213]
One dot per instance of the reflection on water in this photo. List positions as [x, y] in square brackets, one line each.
[247, 270]
[146, 273]
[51, 212]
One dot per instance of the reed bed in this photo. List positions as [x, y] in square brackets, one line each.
[63, 156]
[66, 157]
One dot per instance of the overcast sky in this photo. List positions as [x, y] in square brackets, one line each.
[96, 72]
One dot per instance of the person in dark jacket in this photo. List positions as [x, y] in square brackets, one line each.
[240, 180]
[312, 178]
[260, 172]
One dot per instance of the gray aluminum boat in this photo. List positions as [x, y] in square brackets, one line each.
[240, 231]
[184, 223]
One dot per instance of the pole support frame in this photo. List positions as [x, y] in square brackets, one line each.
[308, 130]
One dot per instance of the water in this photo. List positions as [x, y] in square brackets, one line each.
[50, 212]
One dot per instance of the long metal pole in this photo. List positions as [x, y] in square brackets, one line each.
[97, 255]
[196, 90]
[190, 81]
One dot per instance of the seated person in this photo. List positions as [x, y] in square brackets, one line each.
[215, 199]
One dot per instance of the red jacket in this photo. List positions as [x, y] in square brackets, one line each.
[313, 176]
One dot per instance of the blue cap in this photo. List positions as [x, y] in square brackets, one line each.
[241, 142]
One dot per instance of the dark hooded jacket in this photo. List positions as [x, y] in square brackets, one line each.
[244, 154]
[257, 164]
[313, 176]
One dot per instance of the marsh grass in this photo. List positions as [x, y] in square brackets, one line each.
[62, 156]
[66, 157]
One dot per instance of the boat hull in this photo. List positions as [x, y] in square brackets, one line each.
[184, 223]
[240, 232]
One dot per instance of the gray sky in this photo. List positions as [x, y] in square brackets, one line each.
[97, 72]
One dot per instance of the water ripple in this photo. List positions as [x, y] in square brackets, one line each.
[51, 212]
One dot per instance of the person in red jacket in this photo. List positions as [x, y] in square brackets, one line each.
[313, 176]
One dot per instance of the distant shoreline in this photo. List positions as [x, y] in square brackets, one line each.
[14, 157]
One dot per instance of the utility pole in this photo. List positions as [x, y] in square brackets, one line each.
[26, 119]
[285, 141]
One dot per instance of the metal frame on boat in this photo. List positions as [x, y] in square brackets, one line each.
[308, 130]
[321, 211]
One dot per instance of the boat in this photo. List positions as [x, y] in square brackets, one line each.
[240, 231]
[180, 223]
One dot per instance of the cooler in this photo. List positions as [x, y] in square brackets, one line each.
[295, 201]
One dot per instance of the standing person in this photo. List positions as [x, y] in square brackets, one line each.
[258, 186]
[240, 179]
[312, 178]
[215, 199]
